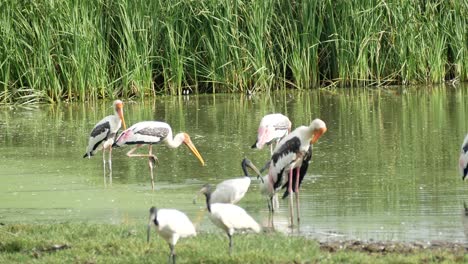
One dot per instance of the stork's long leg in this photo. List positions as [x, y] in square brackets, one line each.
[270, 204]
[270, 213]
[107, 145]
[275, 201]
[151, 159]
[291, 212]
[130, 153]
[109, 161]
[297, 195]
[104, 164]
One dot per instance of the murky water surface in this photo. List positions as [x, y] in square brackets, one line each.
[385, 170]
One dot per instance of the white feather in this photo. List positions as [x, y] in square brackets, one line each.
[173, 224]
[230, 191]
[272, 128]
[106, 136]
[231, 218]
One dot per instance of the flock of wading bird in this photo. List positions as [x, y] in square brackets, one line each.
[286, 169]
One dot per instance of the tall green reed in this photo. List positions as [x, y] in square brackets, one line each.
[86, 50]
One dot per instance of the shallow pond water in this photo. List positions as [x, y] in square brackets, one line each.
[385, 170]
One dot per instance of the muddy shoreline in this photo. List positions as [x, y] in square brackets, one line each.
[384, 247]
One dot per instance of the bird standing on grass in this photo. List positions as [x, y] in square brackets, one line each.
[233, 190]
[103, 135]
[150, 133]
[228, 217]
[171, 225]
[288, 156]
[273, 127]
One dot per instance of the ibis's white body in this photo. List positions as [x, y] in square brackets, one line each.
[230, 217]
[231, 191]
[173, 224]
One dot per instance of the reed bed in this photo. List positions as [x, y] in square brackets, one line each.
[57, 50]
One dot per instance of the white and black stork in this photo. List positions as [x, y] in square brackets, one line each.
[463, 160]
[103, 135]
[265, 185]
[273, 127]
[150, 133]
[302, 172]
[293, 153]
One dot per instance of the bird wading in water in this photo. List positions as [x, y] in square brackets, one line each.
[288, 157]
[151, 133]
[103, 135]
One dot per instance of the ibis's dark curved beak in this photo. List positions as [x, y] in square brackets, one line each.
[247, 163]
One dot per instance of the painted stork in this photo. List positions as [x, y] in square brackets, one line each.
[463, 161]
[288, 155]
[150, 133]
[272, 128]
[233, 190]
[302, 172]
[228, 217]
[171, 224]
[103, 135]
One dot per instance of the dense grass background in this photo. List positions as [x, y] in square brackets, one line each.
[54, 50]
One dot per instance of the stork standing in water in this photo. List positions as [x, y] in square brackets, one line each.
[273, 203]
[463, 161]
[171, 225]
[150, 133]
[228, 217]
[103, 135]
[233, 190]
[289, 154]
[273, 127]
[302, 172]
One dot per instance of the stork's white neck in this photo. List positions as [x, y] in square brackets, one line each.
[176, 141]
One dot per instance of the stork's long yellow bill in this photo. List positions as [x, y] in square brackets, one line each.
[195, 151]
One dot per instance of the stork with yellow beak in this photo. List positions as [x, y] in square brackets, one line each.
[288, 156]
[103, 136]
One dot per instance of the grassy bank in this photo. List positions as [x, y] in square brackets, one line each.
[93, 243]
[83, 50]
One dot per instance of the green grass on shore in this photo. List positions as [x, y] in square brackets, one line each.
[102, 243]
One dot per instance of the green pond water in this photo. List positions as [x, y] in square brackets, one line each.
[385, 170]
